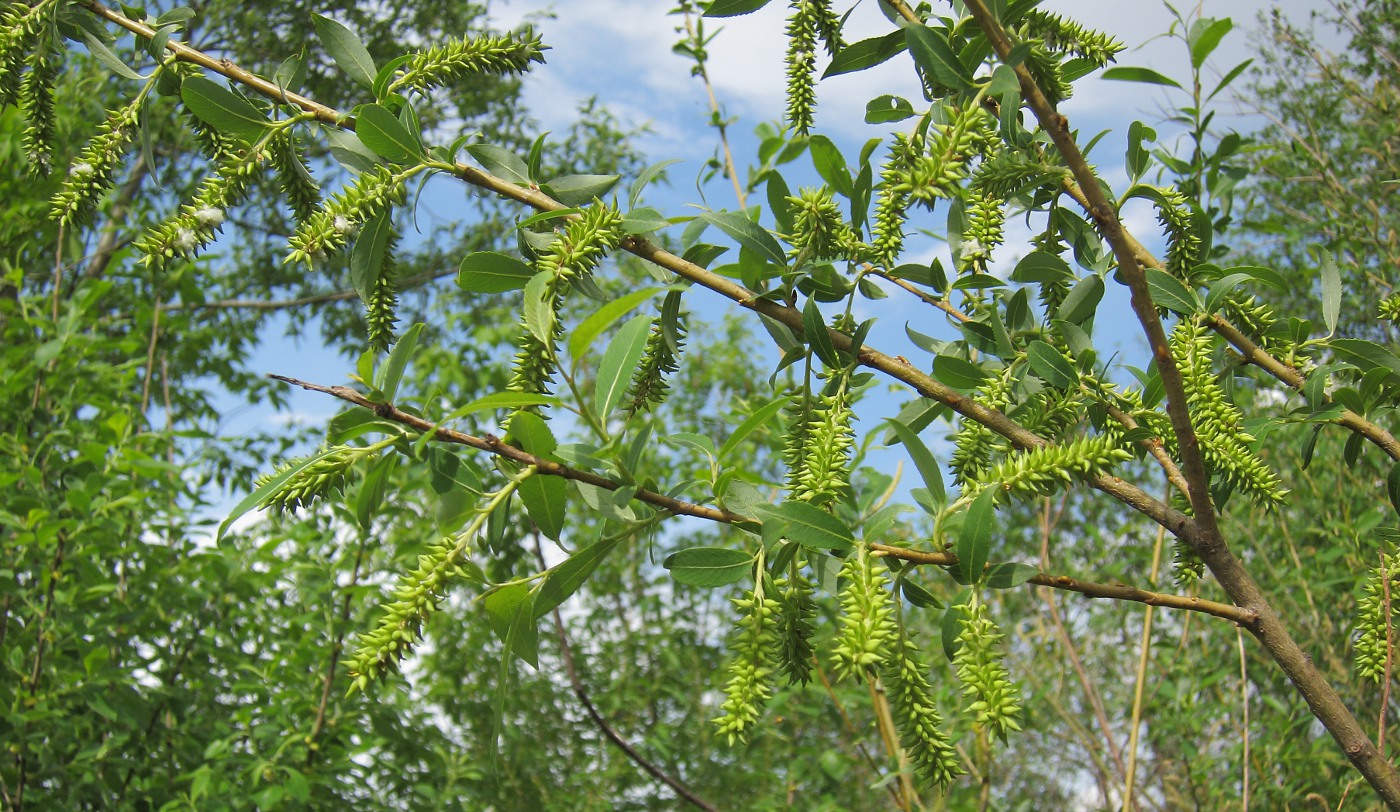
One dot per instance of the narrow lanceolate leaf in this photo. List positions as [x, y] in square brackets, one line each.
[923, 460]
[579, 190]
[733, 8]
[503, 400]
[975, 539]
[392, 371]
[747, 233]
[512, 618]
[367, 257]
[345, 48]
[761, 417]
[546, 500]
[539, 307]
[566, 579]
[603, 318]
[866, 54]
[813, 527]
[1169, 292]
[1331, 290]
[501, 162]
[381, 131]
[814, 325]
[936, 57]
[708, 566]
[492, 272]
[619, 362]
[1050, 365]
[221, 108]
[1144, 75]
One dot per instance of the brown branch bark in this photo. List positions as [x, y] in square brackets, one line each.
[1202, 531]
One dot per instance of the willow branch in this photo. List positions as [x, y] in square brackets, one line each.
[934, 301]
[1201, 532]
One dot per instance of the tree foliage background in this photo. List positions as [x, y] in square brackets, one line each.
[148, 668]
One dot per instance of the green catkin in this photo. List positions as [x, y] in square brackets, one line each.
[446, 63]
[1389, 308]
[91, 175]
[939, 171]
[1224, 445]
[198, 221]
[649, 386]
[892, 204]
[818, 229]
[996, 699]
[382, 303]
[916, 715]
[1010, 172]
[325, 475]
[795, 628]
[755, 652]
[1369, 643]
[826, 467]
[802, 65]
[573, 255]
[22, 29]
[867, 632]
[1066, 36]
[975, 445]
[36, 102]
[984, 232]
[1043, 471]
[335, 224]
[301, 190]
[795, 442]
[1183, 243]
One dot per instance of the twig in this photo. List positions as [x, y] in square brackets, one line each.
[1145, 648]
[334, 659]
[941, 304]
[1090, 692]
[1244, 709]
[612, 735]
[717, 115]
[680, 507]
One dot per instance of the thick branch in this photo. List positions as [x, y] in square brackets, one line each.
[1202, 532]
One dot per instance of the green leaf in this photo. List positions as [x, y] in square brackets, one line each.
[1050, 365]
[866, 54]
[501, 162]
[491, 272]
[566, 579]
[1083, 299]
[603, 318]
[578, 190]
[545, 498]
[349, 151]
[1229, 77]
[747, 233]
[221, 108]
[512, 617]
[531, 433]
[382, 132]
[887, 108]
[643, 220]
[831, 165]
[814, 326]
[1169, 292]
[959, 373]
[646, 176]
[1331, 290]
[104, 55]
[936, 57]
[813, 527]
[503, 400]
[1007, 575]
[708, 566]
[923, 459]
[255, 498]
[1205, 35]
[620, 360]
[733, 8]
[345, 48]
[539, 307]
[367, 257]
[1144, 75]
[392, 372]
[1041, 266]
[1365, 354]
[975, 538]
[761, 416]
